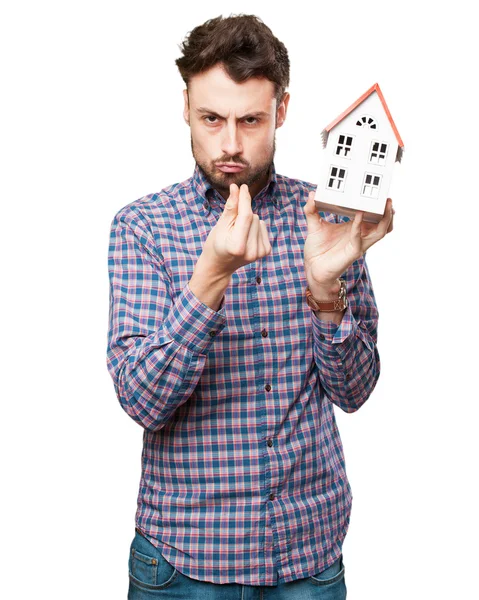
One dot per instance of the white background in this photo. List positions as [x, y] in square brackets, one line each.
[91, 119]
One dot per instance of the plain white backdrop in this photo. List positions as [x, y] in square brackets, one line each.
[91, 119]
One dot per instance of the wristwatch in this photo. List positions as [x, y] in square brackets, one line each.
[339, 303]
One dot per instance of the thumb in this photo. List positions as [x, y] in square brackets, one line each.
[312, 215]
[231, 205]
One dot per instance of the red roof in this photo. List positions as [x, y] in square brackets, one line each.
[374, 88]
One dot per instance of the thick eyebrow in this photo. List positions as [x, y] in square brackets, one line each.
[204, 110]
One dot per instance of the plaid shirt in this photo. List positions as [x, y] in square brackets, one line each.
[243, 474]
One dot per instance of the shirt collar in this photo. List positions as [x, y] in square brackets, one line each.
[208, 197]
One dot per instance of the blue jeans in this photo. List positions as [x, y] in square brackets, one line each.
[153, 577]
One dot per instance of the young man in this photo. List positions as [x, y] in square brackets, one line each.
[216, 353]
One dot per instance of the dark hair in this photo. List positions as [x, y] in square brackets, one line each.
[244, 45]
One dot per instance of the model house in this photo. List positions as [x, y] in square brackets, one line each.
[361, 146]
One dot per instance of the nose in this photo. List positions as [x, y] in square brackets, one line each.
[231, 143]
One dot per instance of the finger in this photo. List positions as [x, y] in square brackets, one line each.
[385, 222]
[309, 204]
[264, 246]
[391, 225]
[373, 233]
[251, 243]
[356, 224]
[265, 237]
[245, 214]
[231, 205]
[244, 199]
[259, 240]
[313, 218]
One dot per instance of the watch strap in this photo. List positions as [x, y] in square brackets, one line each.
[336, 304]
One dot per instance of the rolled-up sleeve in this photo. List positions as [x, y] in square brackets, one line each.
[346, 354]
[156, 348]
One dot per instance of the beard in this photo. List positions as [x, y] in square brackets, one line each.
[250, 174]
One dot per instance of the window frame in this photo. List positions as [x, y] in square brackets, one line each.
[379, 152]
[337, 178]
[344, 145]
[372, 185]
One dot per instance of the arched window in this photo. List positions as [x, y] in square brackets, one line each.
[366, 121]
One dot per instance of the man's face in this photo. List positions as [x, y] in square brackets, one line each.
[233, 123]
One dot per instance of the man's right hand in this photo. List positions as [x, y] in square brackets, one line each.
[239, 237]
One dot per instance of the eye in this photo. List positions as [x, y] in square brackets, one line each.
[248, 120]
[210, 117]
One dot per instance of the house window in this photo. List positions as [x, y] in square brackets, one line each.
[371, 185]
[378, 152]
[366, 121]
[344, 145]
[336, 179]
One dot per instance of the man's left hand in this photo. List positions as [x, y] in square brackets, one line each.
[330, 248]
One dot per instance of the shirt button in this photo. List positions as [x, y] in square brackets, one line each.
[264, 333]
[321, 336]
[258, 279]
[270, 443]
[212, 333]
[271, 496]
[267, 387]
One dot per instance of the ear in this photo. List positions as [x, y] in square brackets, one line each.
[281, 110]
[186, 109]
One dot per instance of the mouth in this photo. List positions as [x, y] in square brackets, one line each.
[229, 168]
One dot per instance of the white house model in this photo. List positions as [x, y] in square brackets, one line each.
[361, 148]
